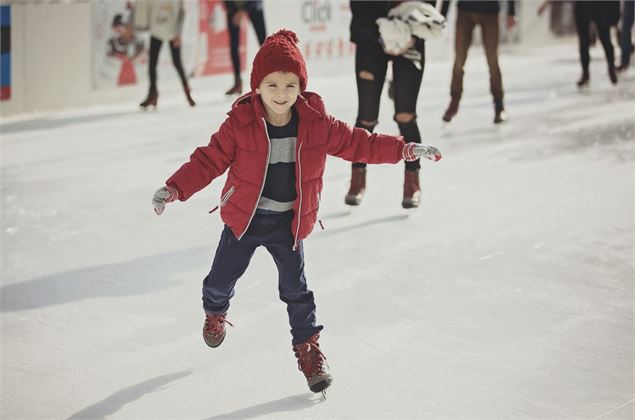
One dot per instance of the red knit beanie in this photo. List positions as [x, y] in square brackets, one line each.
[279, 53]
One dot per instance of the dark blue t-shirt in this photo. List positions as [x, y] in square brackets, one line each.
[279, 192]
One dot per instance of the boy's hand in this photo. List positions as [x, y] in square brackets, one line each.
[414, 151]
[163, 195]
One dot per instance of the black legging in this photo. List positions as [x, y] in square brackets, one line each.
[254, 10]
[155, 48]
[406, 84]
[585, 13]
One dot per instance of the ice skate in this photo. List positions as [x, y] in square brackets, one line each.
[411, 190]
[312, 362]
[214, 329]
[357, 187]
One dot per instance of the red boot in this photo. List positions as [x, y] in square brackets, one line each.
[312, 362]
[214, 329]
[357, 188]
[411, 190]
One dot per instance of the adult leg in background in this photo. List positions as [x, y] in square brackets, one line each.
[407, 83]
[370, 73]
[153, 93]
[490, 34]
[464, 27]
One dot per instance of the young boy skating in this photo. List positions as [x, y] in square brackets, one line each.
[274, 143]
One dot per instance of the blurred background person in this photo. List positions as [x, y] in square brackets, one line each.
[604, 13]
[236, 11]
[164, 19]
[371, 64]
[626, 34]
[484, 14]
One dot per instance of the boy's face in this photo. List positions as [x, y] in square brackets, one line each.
[279, 91]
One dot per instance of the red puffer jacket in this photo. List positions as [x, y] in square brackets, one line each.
[242, 145]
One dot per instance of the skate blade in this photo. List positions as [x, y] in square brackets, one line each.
[321, 386]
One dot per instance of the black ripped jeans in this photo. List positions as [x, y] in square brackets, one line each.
[406, 84]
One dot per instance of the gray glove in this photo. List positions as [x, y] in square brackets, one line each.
[163, 195]
[414, 151]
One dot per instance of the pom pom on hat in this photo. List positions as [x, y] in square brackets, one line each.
[279, 52]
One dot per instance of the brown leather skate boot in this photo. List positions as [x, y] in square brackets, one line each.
[453, 109]
[214, 329]
[357, 188]
[312, 362]
[411, 190]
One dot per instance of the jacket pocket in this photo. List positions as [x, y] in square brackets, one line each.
[225, 198]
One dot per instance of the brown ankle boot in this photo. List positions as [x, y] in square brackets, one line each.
[452, 110]
[411, 190]
[312, 362]
[214, 329]
[357, 188]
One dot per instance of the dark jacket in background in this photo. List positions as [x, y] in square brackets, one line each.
[364, 30]
[480, 6]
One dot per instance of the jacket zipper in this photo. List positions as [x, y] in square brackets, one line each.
[263, 179]
[297, 230]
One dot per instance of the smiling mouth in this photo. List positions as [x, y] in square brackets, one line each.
[279, 103]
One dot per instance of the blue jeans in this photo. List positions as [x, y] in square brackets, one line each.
[273, 231]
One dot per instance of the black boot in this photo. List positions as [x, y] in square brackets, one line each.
[499, 111]
[612, 74]
[584, 81]
[151, 100]
[237, 89]
[188, 94]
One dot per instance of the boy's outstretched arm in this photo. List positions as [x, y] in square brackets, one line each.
[206, 163]
[358, 145]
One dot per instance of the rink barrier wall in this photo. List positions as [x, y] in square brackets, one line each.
[52, 65]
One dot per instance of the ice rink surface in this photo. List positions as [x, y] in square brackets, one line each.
[507, 294]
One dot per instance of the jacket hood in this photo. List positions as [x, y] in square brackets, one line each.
[249, 107]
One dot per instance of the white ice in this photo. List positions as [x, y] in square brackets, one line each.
[507, 294]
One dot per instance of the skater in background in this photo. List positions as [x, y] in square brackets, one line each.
[236, 12]
[626, 34]
[472, 13]
[604, 13]
[274, 144]
[371, 64]
[164, 19]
